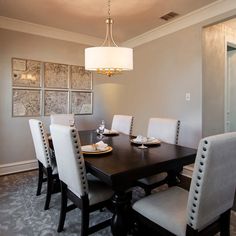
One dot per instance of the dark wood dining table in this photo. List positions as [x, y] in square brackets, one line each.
[126, 163]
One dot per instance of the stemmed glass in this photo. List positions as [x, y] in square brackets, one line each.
[72, 123]
[143, 141]
[101, 129]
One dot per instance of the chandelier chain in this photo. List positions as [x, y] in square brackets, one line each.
[109, 8]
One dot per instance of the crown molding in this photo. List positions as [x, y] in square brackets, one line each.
[46, 31]
[214, 9]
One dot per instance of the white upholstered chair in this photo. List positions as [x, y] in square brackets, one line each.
[88, 194]
[46, 161]
[166, 130]
[205, 209]
[122, 124]
[63, 119]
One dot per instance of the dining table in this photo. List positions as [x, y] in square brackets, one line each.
[122, 166]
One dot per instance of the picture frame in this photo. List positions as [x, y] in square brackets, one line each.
[81, 103]
[26, 102]
[80, 79]
[26, 73]
[56, 75]
[56, 102]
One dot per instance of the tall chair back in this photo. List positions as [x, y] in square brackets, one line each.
[40, 141]
[122, 123]
[70, 160]
[63, 119]
[213, 183]
[167, 130]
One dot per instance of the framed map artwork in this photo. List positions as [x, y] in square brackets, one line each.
[56, 75]
[80, 78]
[26, 73]
[26, 102]
[45, 88]
[81, 102]
[55, 102]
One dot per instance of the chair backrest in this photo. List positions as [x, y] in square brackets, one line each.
[214, 180]
[70, 160]
[63, 119]
[167, 130]
[123, 124]
[40, 140]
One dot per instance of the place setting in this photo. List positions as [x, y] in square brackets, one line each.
[96, 148]
[145, 142]
[101, 130]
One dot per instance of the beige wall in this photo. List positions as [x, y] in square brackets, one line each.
[164, 70]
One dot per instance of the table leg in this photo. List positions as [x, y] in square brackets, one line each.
[120, 220]
[173, 176]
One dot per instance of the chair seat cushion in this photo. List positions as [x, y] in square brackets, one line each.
[168, 209]
[153, 179]
[98, 191]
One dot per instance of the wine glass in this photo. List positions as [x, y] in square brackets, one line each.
[143, 140]
[101, 128]
[72, 123]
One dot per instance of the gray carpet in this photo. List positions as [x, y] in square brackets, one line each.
[22, 214]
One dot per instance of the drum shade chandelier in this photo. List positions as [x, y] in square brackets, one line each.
[108, 59]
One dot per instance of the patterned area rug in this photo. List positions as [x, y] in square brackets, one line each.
[22, 214]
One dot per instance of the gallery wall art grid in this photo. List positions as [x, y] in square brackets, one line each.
[44, 88]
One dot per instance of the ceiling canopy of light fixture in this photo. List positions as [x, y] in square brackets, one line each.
[109, 59]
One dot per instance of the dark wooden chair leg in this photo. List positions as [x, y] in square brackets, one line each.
[49, 188]
[40, 178]
[63, 207]
[85, 217]
[225, 224]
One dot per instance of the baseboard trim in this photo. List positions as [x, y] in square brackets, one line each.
[18, 167]
[188, 171]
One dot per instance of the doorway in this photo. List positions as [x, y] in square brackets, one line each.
[219, 78]
[230, 89]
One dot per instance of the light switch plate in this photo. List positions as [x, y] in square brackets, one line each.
[187, 96]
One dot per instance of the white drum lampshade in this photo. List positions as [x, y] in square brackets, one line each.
[108, 58]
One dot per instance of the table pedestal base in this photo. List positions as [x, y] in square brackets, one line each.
[121, 219]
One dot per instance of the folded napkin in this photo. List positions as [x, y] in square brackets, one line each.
[110, 131]
[143, 139]
[99, 146]
[140, 139]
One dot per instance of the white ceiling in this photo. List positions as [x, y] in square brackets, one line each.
[131, 17]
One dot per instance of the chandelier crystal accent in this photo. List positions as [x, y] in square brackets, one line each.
[109, 59]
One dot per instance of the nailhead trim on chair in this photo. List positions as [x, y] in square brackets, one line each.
[46, 147]
[177, 132]
[191, 213]
[80, 157]
[131, 126]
